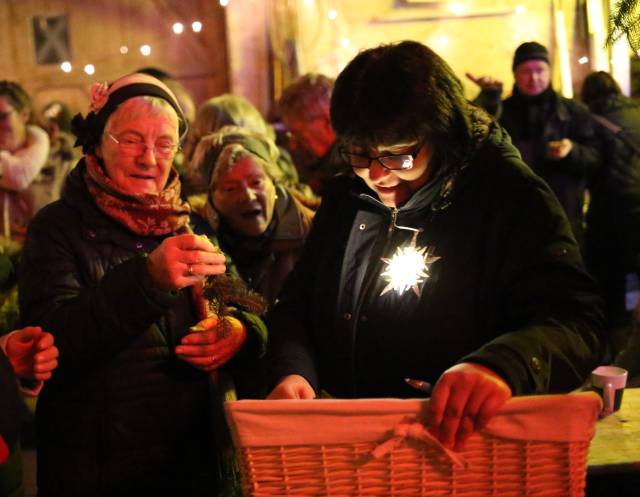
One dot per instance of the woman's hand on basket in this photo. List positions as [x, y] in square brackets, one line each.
[211, 344]
[463, 401]
[183, 260]
[292, 386]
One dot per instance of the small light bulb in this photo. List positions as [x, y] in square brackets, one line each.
[332, 14]
[520, 9]
[583, 60]
[196, 26]
[345, 42]
[66, 66]
[89, 69]
[145, 50]
[124, 49]
[178, 28]
[457, 8]
[224, 3]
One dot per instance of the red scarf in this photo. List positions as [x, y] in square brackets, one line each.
[146, 214]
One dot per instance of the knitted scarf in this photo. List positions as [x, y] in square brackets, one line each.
[145, 214]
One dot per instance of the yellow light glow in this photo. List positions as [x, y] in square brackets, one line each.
[457, 8]
[597, 31]
[145, 50]
[583, 60]
[66, 66]
[563, 55]
[520, 9]
[196, 26]
[332, 14]
[89, 69]
[442, 41]
[124, 49]
[178, 28]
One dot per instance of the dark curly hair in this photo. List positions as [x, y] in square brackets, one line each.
[402, 92]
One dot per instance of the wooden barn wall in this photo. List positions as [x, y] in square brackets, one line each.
[98, 30]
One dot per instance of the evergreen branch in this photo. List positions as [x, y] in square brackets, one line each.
[625, 21]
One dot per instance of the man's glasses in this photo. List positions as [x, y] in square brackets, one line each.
[135, 146]
[393, 162]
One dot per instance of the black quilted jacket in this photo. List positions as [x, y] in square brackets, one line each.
[122, 414]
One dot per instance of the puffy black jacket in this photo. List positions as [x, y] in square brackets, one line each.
[122, 414]
[613, 220]
[509, 290]
[561, 118]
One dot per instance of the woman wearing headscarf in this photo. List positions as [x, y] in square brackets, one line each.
[228, 110]
[109, 270]
[260, 223]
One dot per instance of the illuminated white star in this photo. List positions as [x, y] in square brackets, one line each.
[408, 268]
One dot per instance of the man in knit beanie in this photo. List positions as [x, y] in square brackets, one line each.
[555, 135]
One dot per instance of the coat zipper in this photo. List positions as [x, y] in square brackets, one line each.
[360, 303]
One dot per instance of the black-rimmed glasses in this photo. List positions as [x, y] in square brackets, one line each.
[136, 146]
[393, 162]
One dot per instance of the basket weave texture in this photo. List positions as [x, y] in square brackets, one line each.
[536, 446]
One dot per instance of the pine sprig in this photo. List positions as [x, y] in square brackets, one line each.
[226, 293]
[625, 21]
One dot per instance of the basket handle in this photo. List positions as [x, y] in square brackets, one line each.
[416, 431]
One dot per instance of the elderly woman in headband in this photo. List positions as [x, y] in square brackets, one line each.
[129, 411]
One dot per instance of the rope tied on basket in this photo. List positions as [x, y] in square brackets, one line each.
[417, 431]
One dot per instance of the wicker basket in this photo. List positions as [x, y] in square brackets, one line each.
[535, 446]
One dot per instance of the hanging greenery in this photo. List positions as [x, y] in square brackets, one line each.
[625, 20]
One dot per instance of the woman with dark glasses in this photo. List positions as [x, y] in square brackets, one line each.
[442, 258]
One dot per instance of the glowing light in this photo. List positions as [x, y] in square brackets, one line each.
[442, 41]
[638, 53]
[345, 42]
[178, 28]
[196, 26]
[408, 268]
[563, 55]
[89, 69]
[66, 66]
[224, 3]
[583, 60]
[308, 3]
[332, 14]
[124, 49]
[457, 8]
[145, 50]
[597, 26]
[520, 9]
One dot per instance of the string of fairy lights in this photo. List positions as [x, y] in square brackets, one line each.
[145, 49]
[330, 40]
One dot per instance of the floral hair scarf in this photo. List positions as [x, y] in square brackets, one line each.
[144, 214]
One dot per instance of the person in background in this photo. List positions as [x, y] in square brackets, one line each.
[28, 357]
[24, 149]
[259, 222]
[304, 106]
[496, 302]
[555, 135]
[612, 248]
[227, 110]
[129, 409]
[55, 118]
